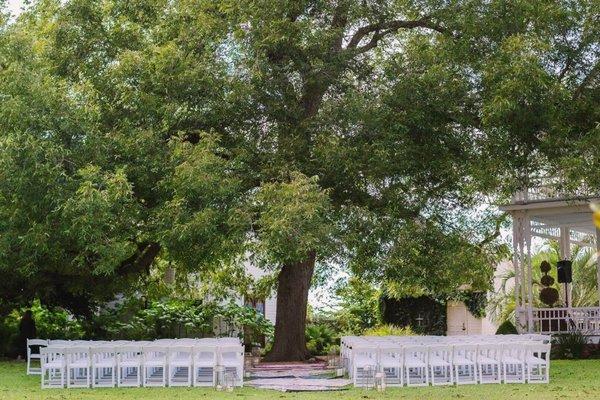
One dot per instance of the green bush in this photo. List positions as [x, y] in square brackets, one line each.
[425, 315]
[56, 323]
[506, 328]
[178, 318]
[390, 330]
[570, 345]
[9, 327]
[358, 307]
[333, 349]
[49, 323]
[134, 320]
[319, 338]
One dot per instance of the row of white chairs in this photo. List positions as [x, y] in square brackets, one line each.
[347, 342]
[436, 360]
[172, 362]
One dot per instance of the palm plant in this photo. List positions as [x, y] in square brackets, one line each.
[501, 306]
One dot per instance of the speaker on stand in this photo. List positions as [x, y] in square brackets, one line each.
[564, 272]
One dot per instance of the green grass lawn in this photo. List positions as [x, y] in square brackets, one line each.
[569, 380]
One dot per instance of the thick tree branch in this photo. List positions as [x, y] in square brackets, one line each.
[382, 29]
[570, 62]
[587, 80]
[142, 259]
[496, 233]
[338, 23]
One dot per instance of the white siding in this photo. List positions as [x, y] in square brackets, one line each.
[271, 308]
[271, 302]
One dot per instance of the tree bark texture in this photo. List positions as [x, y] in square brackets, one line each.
[292, 300]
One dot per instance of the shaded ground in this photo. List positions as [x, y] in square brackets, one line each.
[569, 380]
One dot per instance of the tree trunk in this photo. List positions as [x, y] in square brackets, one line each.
[292, 299]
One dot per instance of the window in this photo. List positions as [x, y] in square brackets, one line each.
[258, 305]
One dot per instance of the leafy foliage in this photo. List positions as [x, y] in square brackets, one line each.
[53, 323]
[424, 315]
[293, 219]
[56, 324]
[390, 330]
[548, 294]
[320, 339]
[176, 318]
[366, 131]
[501, 305]
[506, 328]
[358, 307]
[475, 301]
[570, 345]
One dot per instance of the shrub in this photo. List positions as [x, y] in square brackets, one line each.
[9, 327]
[390, 330]
[319, 338]
[49, 323]
[55, 323]
[506, 328]
[547, 280]
[545, 267]
[424, 315]
[570, 345]
[178, 318]
[334, 349]
[549, 296]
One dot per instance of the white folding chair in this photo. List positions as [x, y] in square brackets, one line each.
[129, 365]
[465, 363]
[60, 343]
[204, 363]
[489, 363]
[53, 366]
[364, 363]
[154, 364]
[104, 365]
[415, 365]
[180, 366]
[78, 366]
[391, 363]
[513, 362]
[537, 362]
[33, 344]
[439, 359]
[232, 358]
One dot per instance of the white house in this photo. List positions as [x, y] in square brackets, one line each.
[267, 306]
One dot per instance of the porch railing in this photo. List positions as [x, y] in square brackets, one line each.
[564, 320]
[552, 188]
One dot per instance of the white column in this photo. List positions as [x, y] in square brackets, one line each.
[519, 260]
[517, 264]
[529, 274]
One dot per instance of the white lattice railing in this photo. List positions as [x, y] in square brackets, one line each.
[563, 320]
[549, 188]
[553, 232]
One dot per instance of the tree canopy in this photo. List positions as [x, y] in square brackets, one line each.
[370, 134]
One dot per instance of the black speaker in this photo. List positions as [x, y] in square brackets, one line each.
[564, 271]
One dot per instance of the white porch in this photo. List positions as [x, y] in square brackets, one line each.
[545, 213]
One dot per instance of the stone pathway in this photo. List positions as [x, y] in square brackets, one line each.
[295, 377]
